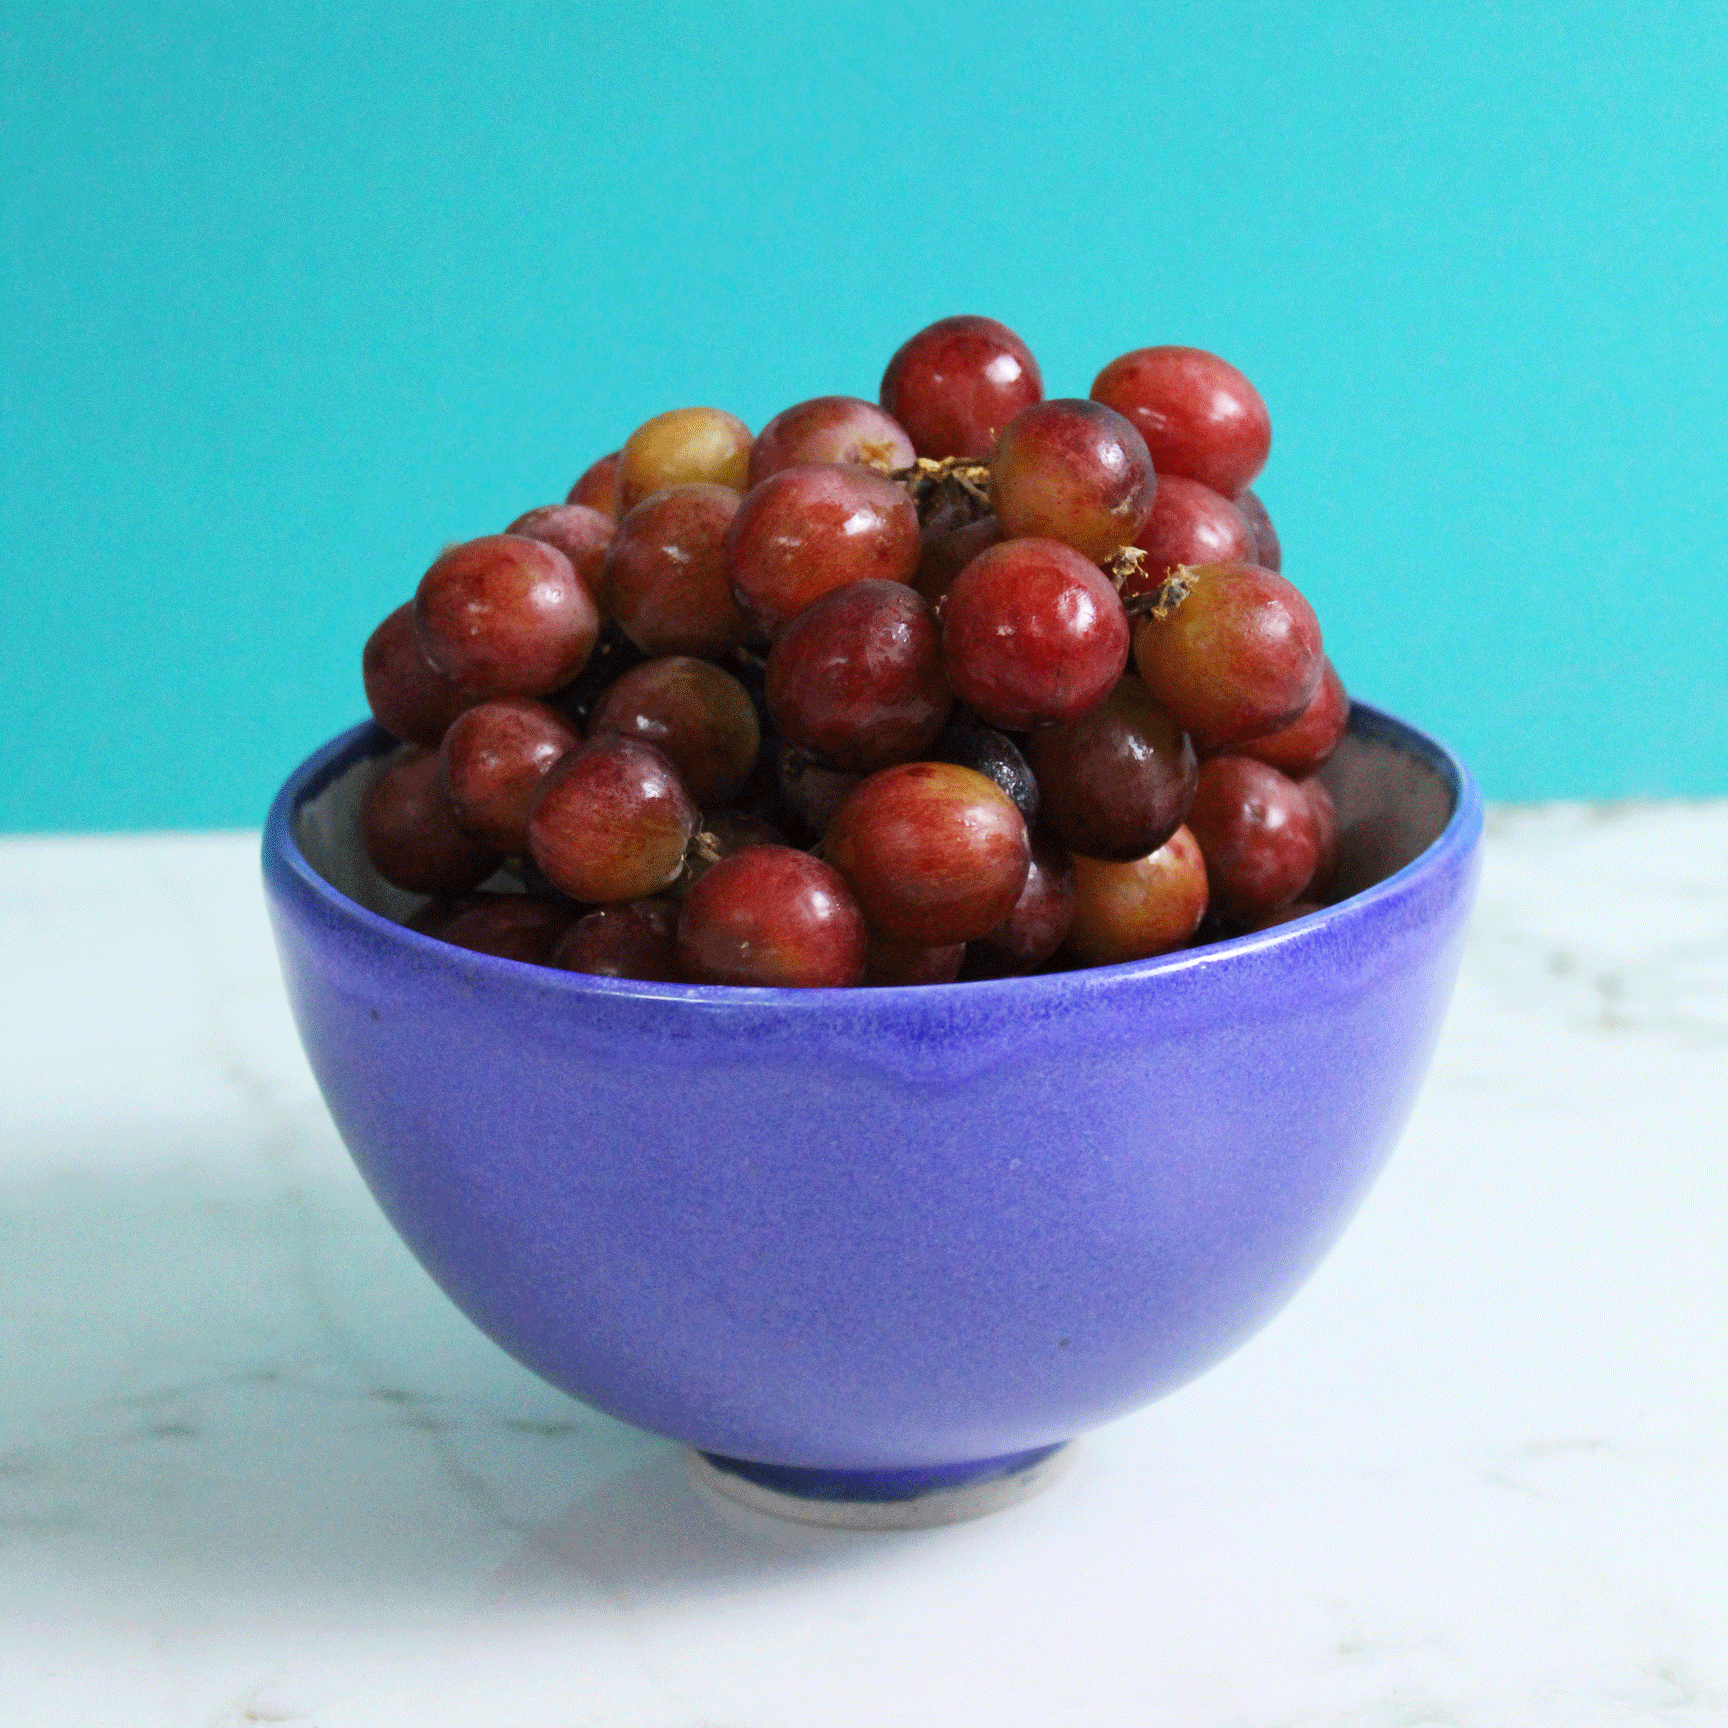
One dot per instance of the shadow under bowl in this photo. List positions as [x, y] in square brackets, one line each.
[870, 1244]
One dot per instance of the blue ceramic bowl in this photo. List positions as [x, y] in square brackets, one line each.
[848, 1237]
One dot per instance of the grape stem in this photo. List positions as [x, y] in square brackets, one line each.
[1161, 601]
[955, 486]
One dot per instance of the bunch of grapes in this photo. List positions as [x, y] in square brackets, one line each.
[962, 685]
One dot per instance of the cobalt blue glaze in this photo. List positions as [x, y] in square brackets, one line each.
[877, 1230]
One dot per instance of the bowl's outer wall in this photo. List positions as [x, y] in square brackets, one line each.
[867, 1229]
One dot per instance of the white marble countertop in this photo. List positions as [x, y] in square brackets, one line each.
[254, 1469]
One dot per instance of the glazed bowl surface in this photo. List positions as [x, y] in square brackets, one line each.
[881, 1230]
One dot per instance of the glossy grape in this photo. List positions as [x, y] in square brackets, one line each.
[667, 581]
[1306, 744]
[1117, 782]
[1032, 631]
[1073, 471]
[935, 853]
[1189, 524]
[409, 697]
[411, 834]
[808, 530]
[686, 447]
[830, 429]
[638, 939]
[1135, 910]
[1199, 416]
[505, 616]
[957, 383]
[1239, 657]
[612, 822]
[1039, 923]
[772, 916]
[492, 761]
[1257, 831]
[580, 533]
[698, 715]
[857, 677]
[966, 740]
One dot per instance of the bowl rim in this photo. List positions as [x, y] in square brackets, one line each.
[283, 860]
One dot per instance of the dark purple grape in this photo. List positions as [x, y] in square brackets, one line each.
[969, 743]
[1117, 782]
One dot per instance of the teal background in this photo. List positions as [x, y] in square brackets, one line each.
[294, 296]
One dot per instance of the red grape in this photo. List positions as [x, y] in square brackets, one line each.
[1306, 744]
[1198, 414]
[1189, 524]
[598, 486]
[696, 714]
[1073, 471]
[510, 926]
[935, 853]
[811, 529]
[1267, 554]
[492, 761]
[1258, 834]
[1037, 926]
[411, 835]
[409, 697]
[580, 533]
[770, 915]
[947, 551]
[1032, 631]
[957, 383]
[830, 429]
[638, 939]
[505, 616]
[667, 581]
[1134, 910]
[1239, 657]
[857, 677]
[612, 822]
[889, 962]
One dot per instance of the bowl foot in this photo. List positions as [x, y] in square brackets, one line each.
[883, 1499]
